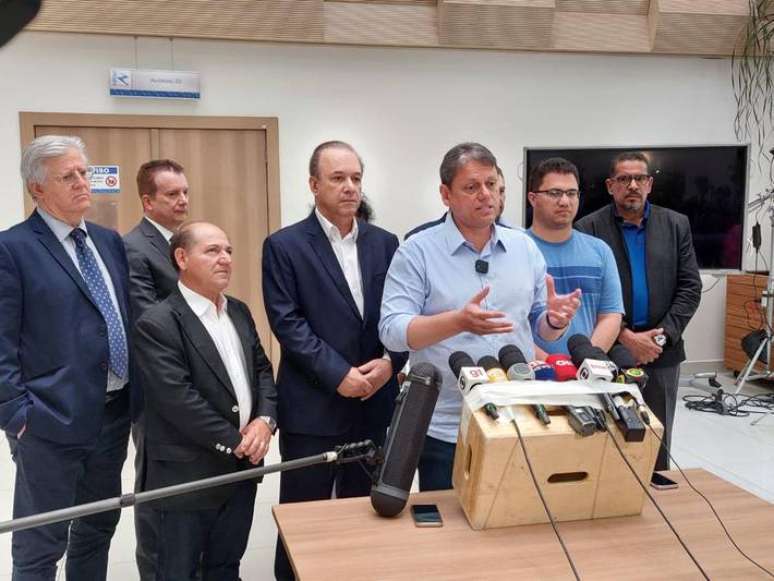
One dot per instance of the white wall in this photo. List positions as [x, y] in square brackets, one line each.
[402, 109]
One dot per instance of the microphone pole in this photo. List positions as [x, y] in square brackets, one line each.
[365, 450]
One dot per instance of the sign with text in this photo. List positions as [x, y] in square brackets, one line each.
[154, 84]
[105, 179]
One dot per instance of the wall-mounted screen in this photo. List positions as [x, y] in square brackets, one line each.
[706, 183]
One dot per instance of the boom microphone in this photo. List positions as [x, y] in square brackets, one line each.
[405, 439]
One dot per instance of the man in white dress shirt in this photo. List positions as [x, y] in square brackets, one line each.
[210, 408]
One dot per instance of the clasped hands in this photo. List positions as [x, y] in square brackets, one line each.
[365, 380]
[560, 309]
[255, 441]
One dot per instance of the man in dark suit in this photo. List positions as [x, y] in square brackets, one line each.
[322, 282]
[210, 409]
[64, 398]
[163, 190]
[660, 280]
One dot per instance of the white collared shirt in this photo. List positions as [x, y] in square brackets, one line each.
[165, 232]
[223, 333]
[345, 250]
[62, 232]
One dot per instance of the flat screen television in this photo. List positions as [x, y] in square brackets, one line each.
[706, 183]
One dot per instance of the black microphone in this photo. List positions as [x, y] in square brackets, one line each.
[406, 436]
[482, 266]
[581, 348]
[622, 357]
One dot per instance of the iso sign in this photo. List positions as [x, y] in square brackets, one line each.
[105, 179]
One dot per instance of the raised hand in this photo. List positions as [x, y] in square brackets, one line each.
[560, 309]
[474, 319]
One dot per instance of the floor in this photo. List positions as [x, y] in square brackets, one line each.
[727, 446]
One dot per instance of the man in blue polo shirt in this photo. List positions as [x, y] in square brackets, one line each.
[466, 284]
[574, 260]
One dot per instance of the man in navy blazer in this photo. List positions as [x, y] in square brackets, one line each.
[64, 394]
[322, 283]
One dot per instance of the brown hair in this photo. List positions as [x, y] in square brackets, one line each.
[146, 175]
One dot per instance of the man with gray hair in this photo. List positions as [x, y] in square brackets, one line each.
[467, 284]
[64, 394]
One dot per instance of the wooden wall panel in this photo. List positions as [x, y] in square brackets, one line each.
[520, 24]
[369, 23]
[604, 6]
[697, 26]
[575, 31]
[690, 27]
[272, 20]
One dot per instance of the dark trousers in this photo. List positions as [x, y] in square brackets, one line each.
[146, 525]
[661, 396]
[50, 476]
[214, 540]
[435, 465]
[318, 482]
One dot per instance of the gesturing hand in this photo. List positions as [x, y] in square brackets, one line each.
[474, 319]
[560, 309]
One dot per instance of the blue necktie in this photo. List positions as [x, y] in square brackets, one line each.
[99, 292]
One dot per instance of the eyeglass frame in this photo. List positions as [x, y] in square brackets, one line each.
[625, 180]
[571, 195]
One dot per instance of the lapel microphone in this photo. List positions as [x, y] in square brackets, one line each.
[482, 266]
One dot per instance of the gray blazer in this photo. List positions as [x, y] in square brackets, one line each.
[674, 284]
[151, 274]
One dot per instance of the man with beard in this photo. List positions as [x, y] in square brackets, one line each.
[659, 277]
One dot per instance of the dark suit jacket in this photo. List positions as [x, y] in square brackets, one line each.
[314, 317]
[191, 410]
[151, 274]
[674, 284]
[53, 339]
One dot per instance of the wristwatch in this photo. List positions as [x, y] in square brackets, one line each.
[271, 422]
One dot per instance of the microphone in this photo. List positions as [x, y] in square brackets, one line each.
[405, 439]
[495, 374]
[482, 266]
[622, 357]
[595, 365]
[581, 419]
[543, 371]
[564, 369]
[470, 376]
[513, 360]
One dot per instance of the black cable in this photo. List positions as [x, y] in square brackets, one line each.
[542, 498]
[717, 516]
[653, 500]
[727, 404]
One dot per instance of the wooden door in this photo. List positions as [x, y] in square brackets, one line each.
[231, 165]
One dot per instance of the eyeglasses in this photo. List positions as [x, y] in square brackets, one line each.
[556, 195]
[626, 180]
[73, 177]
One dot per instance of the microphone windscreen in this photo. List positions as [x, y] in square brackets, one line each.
[563, 366]
[509, 356]
[581, 348]
[405, 439]
[543, 371]
[488, 362]
[458, 360]
[622, 357]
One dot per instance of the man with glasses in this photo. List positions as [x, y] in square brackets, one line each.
[659, 277]
[574, 259]
[64, 393]
[467, 284]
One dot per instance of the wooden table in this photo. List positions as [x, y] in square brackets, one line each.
[344, 540]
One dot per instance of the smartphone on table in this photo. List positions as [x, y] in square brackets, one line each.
[426, 515]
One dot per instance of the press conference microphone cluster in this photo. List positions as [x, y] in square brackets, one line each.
[469, 376]
[595, 365]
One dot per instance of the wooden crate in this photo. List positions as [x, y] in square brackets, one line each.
[581, 478]
[743, 315]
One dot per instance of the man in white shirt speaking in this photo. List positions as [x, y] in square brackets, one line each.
[210, 408]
